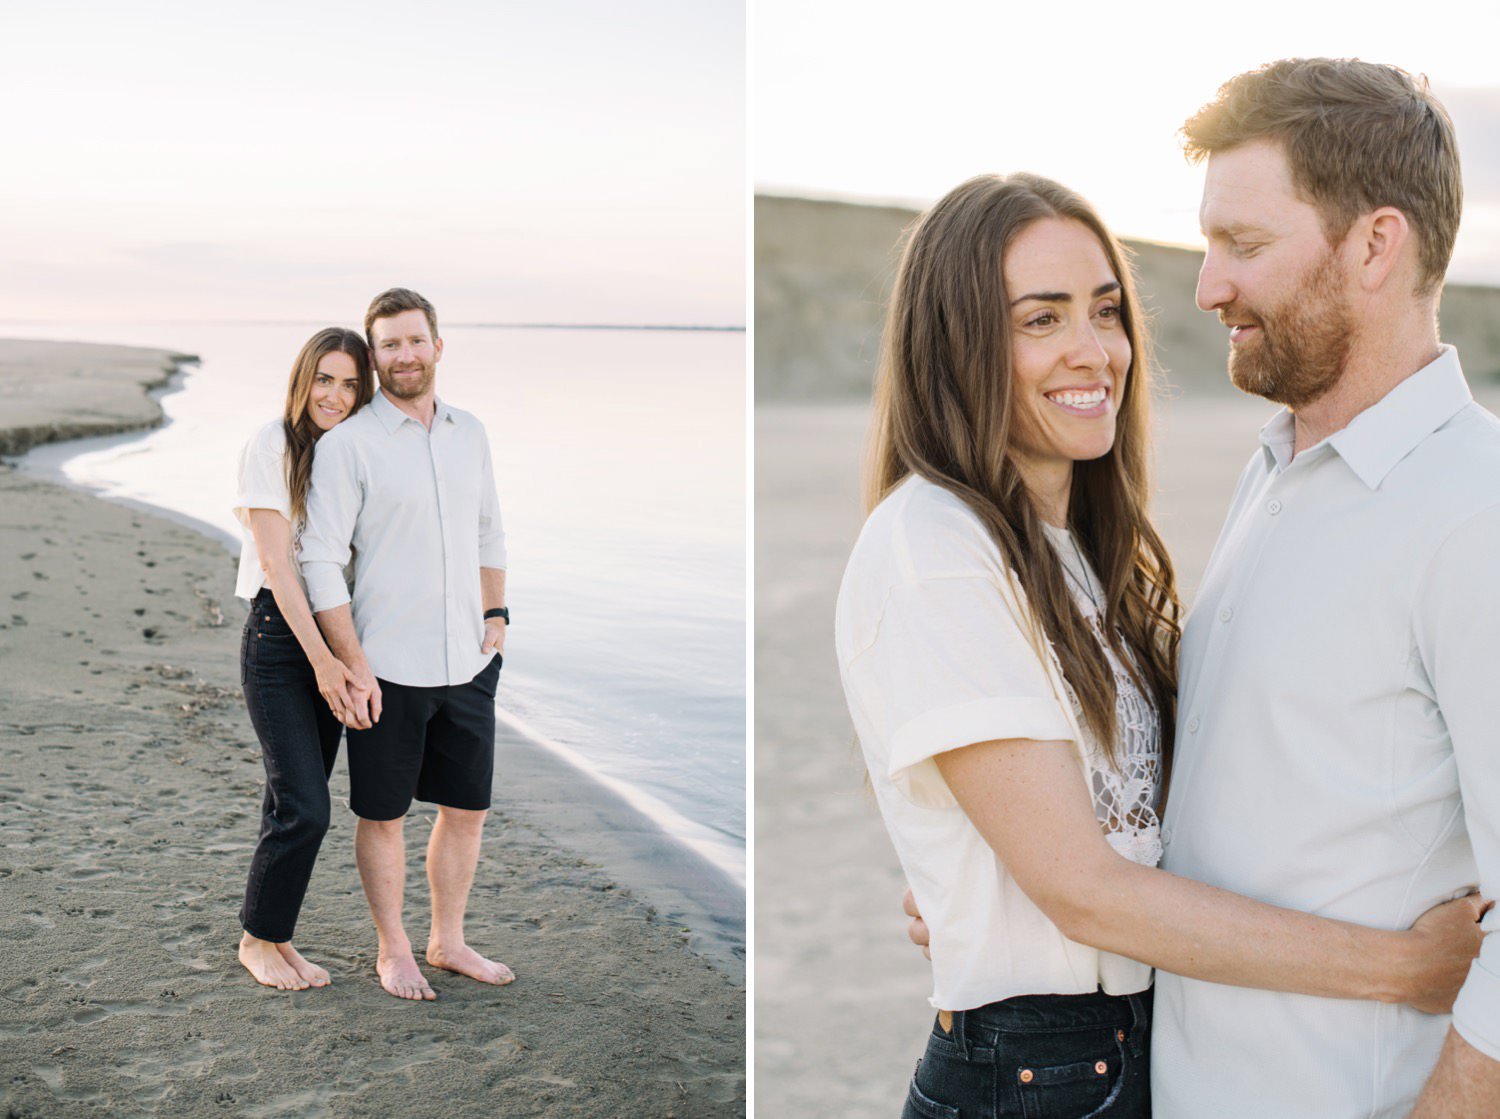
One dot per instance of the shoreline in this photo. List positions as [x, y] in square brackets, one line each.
[129, 788]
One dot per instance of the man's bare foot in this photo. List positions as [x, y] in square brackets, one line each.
[315, 976]
[263, 959]
[466, 961]
[401, 977]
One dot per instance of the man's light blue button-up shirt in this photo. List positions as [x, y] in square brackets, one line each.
[418, 512]
[1338, 745]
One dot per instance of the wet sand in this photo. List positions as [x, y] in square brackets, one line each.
[841, 995]
[130, 782]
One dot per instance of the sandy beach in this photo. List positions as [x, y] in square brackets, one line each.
[841, 996]
[130, 782]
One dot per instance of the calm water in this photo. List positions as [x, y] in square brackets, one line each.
[620, 462]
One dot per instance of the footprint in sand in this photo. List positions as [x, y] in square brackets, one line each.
[98, 1011]
[179, 945]
[22, 991]
[414, 1049]
[78, 975]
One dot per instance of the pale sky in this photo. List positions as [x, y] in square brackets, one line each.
[901, 102]
[574, 160]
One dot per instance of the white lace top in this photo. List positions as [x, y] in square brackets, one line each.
[1125, 799]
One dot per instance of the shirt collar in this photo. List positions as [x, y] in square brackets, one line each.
[1391, 428]
[391, 417]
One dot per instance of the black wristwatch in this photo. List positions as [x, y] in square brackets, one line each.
[498, 612]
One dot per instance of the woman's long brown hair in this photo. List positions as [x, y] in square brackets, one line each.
[944, 409]
[301, 433]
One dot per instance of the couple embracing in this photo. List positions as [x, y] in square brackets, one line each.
[374, 564]
[1009, 641]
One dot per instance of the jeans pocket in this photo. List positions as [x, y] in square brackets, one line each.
[956, 1076]
[1075, 1090]
[921, 1106]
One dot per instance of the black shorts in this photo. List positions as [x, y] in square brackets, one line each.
[434, 744]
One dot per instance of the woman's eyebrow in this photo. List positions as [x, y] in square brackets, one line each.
[1064, 297]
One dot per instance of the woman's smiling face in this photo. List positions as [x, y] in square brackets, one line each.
[1069, 351]
[335, 388]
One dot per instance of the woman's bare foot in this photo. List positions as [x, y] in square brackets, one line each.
[263, 959]
[315, 976]
[466, 961]
[401, 977]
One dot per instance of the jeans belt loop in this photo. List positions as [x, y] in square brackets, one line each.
[1138, 1025]
[960, 1037]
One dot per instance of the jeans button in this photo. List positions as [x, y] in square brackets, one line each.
[1027, 1076]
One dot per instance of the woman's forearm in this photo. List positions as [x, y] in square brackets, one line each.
[1032, 806]
[1203, 932]
[293, 604]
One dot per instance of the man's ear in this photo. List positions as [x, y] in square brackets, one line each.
[437, 350]
[1383, 235]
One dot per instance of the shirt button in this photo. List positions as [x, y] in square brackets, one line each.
[1225, 614]
[1273, 507]
[1193, 725]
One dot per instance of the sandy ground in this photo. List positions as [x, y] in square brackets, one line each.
[840, 995]
[129, 790]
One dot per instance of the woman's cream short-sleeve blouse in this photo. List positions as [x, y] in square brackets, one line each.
[936, 652]
[261, 485]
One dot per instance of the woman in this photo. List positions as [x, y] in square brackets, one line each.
[1007, 632]
[285, 665]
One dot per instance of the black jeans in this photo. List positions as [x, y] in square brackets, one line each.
[299, 740]
[1039, 1057]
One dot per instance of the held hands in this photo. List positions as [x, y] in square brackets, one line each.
[364, 699]
[334, 680]
[494, 637]
[916, 931]
[1449, 937]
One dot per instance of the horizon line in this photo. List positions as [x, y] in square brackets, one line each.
[688, 327]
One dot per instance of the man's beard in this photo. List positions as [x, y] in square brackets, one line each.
[1298, 352]
[407, 388]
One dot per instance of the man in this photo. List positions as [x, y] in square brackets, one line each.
[406, 486]
[1338, 726]
[1338, 718]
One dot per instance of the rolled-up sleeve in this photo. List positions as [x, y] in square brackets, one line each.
[491, 530]
[262, 476]
[950, 666]
[1458, 639]
[333, 504]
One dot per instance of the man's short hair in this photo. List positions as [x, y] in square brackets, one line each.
[1356, 136]
[392, 302]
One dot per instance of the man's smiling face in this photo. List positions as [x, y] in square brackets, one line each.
[406, 354]
[1273, 278]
